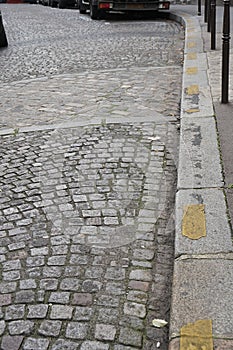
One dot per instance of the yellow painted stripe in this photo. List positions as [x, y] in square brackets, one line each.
[194, 222]
[192, 70]
[197, 336]
[192, 90]
[191, 44]
[192, 56]
[192, 110]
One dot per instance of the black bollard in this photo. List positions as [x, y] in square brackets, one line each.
[225, 51]
[205, 11]
[3, 39]
[208, 15]
[213, 24]
[199, 7]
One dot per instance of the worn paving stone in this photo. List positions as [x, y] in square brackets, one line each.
[129, 336]
[105, 332]
[11, 342]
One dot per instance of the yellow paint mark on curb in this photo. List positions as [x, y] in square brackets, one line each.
[197, 336]
[194, 223]
[191, 56]
[191, 44]
[192, 70]
[192, 90]
[192, 110]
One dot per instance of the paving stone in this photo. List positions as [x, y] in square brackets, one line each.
[115, 273]
[91, 286]
[83, 313]
[138, 285]
[61, 312]
[37, 311]
[135, 309]
[123, 347]
[108, 315]
[62, 344]
[11, 276]
[59, 297]
[20, 327]
[5, 299]
[25, 297]
[82, 299]
[137, 296]
[140, 275]
[36, 344]
[27, 284]
[49, 284]
[105, 332]
[14, 312]
[2, 327]
[94, 345]
[71, 284]
[129, 336]
[50, 328]
[108, 300]
[132, 322]
[11, 342]
[76, 330]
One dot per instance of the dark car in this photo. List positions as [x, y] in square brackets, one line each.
[60, 3]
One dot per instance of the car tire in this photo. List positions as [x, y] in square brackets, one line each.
[82, 7]
[53, 3]
[61, 4]
[95, 13]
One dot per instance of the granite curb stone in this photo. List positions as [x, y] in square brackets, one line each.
[203, 278]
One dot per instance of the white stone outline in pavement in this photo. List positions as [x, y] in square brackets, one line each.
[143, 223]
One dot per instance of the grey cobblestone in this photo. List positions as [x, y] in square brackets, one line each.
[14, 312]
[130, 336]
[36, 344]
[20, 327]
[61, 312]
[105, 332]
[37, 311]
[50, 328]
[77, 330]
[94, 345]
[11, 342]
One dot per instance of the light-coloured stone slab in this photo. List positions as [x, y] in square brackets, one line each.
[197, 105]
[218, 233]
[202, 289]
[199, 164]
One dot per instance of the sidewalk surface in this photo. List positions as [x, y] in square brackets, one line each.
[202, 302]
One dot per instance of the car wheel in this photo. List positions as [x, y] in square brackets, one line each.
[95, 13]
[53, 3]
[61, 4]
[82, 7]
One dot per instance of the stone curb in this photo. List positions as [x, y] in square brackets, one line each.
[203, 267]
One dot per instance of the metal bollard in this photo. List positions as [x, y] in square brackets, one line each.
[225, 51]
[205, 11]
[199, 7]
[3, 39]
[213, 24]
[208, 15]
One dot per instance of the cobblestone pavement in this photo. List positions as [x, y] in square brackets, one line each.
[88, 175]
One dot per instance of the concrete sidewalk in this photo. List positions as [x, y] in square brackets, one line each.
[202, 303]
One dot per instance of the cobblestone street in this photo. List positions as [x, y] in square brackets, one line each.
[89, 142]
